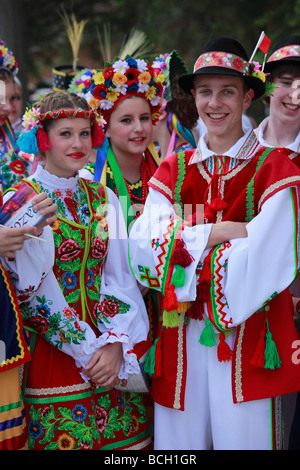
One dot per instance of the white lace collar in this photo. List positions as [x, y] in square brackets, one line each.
[243, 149]
[53, 182]
[294, 146]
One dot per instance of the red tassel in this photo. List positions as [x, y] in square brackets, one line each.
[208, 212]
[206, 274]
[97, 134]
[224, 351]
[42, 140]
[258, 359]
[170, 300]
[218, 204]
[180, 255]
[196, 310]
[203, 291]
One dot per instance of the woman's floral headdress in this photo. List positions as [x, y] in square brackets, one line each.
[104, 89]
[7, 60]
[35, 139]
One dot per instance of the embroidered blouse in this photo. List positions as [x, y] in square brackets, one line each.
[119, 312]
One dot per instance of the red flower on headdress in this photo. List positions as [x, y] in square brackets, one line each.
[97, 134]
[108, 73]
[132, 74]
[42, 140]
[98, 90]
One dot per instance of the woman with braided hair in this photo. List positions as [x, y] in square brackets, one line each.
[84, 310]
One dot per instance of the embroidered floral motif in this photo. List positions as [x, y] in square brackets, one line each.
[81, 428]
[13, 169]
[110, 307]
[57, 327]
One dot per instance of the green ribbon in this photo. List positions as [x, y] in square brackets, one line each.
[123, 194]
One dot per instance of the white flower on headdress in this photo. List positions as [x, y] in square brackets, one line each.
[141, 65]
[106, 104]
[6, 61]
[155, 101]
[87, 96]
[120, 66]
[143, 87]
[122, 88]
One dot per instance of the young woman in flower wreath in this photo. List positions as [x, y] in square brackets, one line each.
[13, 167]
[85, 312]
[127, 96]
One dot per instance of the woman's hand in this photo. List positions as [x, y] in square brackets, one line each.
[45, 205]
[104, 367]
[12, 239]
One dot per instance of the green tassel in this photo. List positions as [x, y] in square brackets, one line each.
[170, 319]
[272, 360]
[178, 277]
[207, 337]
[149, 363]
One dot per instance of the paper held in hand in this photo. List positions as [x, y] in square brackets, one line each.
[18, 211]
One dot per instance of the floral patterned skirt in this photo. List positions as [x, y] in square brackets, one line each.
[63, 412]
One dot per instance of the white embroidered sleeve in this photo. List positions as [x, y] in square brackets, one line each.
[122, 315]
[151, 241]
[265, 263]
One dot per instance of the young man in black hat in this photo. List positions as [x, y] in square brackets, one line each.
[223, 350]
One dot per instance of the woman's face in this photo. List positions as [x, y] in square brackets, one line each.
[70, 145]
[130, 127]
[7, 93]
[16, 104]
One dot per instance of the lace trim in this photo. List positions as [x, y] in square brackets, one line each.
[178, 386]
[277, 185]
[52, 181]
[57, 390]
[238, 366]
[161, 186]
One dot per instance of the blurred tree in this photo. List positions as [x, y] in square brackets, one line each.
[12, 33]
[171, 24]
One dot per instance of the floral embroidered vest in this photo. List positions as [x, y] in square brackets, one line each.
[80, 252]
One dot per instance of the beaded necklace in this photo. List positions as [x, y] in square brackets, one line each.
[136, 201]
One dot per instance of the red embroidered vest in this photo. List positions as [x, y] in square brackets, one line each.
[236, 195]
[80, 252]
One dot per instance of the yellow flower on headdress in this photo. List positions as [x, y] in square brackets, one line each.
[159, 78]
[119, 79]
[261, 76]
[150, 93]
[4, 50]
[98, 78]
[112, 95]
[144, 78]
[81, 86]
[94, 103]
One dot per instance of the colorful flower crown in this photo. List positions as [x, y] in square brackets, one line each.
[35, 138]
[104, 89]
[7, 59]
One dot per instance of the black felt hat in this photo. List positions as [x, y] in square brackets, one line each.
[223, 56]
[285, 51]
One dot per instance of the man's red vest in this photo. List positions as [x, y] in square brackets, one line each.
[236, 195]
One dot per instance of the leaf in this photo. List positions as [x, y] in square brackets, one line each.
[73, 297]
